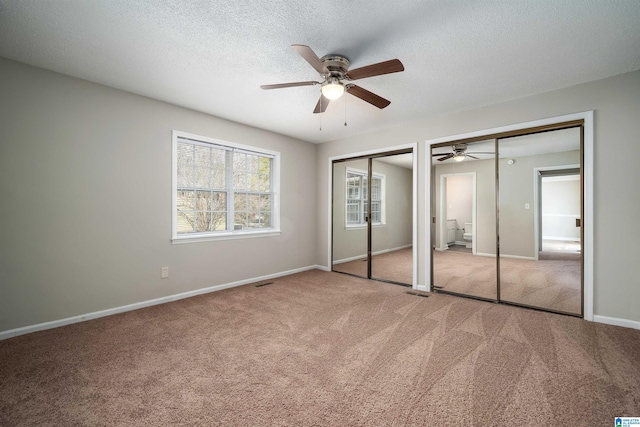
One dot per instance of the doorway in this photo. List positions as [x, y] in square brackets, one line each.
[458, 212]
[557, 208]
[372, 216]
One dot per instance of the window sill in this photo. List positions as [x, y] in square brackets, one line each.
[224, 236]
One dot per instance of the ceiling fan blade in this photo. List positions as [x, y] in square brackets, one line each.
[386, 67]
[322, 104]
[281, 85]
[440, 154]
[448, 156]
[479, 152]
[471, 157]
[310, 56]
[365, 95]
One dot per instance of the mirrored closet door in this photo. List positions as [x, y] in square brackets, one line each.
[540, 220]
[518, 195]
[464, 225]
[350, 216]
[372, 217]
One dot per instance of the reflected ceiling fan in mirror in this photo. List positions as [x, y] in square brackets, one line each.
[459, 153]
[335, 77]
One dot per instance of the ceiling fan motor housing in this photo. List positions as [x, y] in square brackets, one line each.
[337, 65]
[460, 148]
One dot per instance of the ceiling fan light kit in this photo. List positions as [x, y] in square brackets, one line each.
[332, 89]
[334, 72]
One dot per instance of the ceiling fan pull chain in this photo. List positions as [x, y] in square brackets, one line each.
[345, 110]
[320, 115]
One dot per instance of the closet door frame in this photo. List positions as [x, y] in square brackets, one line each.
[583, 121]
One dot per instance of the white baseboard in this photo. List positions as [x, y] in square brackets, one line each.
[130, 307]
[566, 239]
[384, 251]
[530, 258]
[322, 267]
[486, 254]
[506, 256]
[626, 323]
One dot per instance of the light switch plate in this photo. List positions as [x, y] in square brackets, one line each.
[164, 272]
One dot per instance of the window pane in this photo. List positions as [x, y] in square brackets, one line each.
[253, 202]
[185, 221]
[218, 221]
[185, 200]
[240, 202]
[265, 202]
[218, 178]
[239, 180]
[219, 201]
[185, 165]
[353, 186]
[202, 178]
[264, 183]
[375, 189]
[239, 162]
[365, 189]
[353, 213]
[265, 166]
[253, 182]
[203, 200]
[240, 220]
[375, 212]
[202, 156]
[203, 221]
[266, 219]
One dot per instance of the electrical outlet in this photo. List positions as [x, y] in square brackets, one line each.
[164, 272]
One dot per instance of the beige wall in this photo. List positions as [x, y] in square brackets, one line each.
[397, 230]
[560, 208]
[616, 102]
[85, 184]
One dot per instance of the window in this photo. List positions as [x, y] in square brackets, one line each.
[357, 203]
[223, 190]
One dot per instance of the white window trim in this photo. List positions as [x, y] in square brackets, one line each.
[383, 186]
[223, 235]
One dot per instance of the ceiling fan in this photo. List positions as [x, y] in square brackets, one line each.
[335, 74]
[459, 153]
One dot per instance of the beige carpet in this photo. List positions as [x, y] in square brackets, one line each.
[322, 349]
[552, 283]
[396, 266]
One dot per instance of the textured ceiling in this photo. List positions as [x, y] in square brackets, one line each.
[213, 56]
